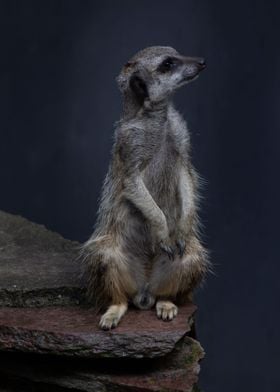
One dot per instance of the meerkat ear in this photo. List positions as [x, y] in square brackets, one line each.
[139, 87]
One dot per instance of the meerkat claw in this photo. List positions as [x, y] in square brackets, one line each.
[108, 322]
[112, 317]
[166, 310]
[169, 250]
[181, 244]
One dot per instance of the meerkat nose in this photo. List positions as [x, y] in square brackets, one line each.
[201, 62]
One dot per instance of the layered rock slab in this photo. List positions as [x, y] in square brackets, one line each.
[177, 371]
[74, 331]
[37, 266]
[47, 343]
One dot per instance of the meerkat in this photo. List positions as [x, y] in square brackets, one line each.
[145, 248]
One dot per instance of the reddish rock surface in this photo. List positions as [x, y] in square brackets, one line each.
[74, 331]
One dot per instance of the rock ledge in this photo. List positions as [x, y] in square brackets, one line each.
[50, 340]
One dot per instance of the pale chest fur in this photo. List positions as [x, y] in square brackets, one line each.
[168, 152]
[164, 170]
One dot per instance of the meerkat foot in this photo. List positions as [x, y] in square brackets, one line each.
[166, 310]
[112, 316]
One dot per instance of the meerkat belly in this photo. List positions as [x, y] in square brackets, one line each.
[161, 177]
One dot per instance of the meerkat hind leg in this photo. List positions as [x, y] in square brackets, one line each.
[166, 310]
[112, 316]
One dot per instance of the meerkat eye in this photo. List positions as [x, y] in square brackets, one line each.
[168, 64]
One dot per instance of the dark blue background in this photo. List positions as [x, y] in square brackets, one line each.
[59, 101]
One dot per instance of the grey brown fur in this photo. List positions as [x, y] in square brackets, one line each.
[145, 247]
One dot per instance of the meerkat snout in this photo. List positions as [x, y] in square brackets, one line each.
[192, 67]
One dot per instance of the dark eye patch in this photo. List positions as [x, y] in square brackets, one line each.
[169, 64]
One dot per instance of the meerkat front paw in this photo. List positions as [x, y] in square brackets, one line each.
[112, 317]
[167, 248]
[180, 242]
[166, 310]
[181, 245]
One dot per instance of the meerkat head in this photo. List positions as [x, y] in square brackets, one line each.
[154, 73]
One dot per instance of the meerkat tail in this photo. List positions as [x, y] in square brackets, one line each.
[112, 316]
